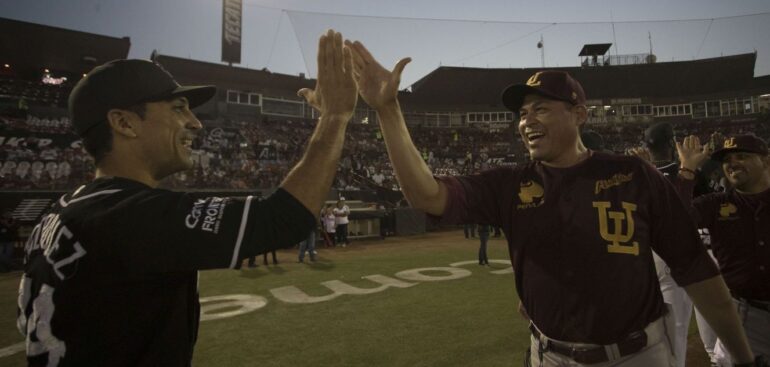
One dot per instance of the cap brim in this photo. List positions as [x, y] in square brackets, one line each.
[720, 154]
[513, 96]
[196, 95]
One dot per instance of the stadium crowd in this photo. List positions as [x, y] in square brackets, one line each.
[42, 153]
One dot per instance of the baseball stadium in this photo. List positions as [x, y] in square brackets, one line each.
[386, 276]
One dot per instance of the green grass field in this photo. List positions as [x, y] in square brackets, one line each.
[470, 321]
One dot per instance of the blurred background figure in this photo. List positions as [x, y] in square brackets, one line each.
[8, 235]
[484, 230]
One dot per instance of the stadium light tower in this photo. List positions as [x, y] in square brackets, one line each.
[541, 46]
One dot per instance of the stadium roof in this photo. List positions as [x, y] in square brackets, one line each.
[187, 71]
[595, 49]
[30, 47]
[460, 86]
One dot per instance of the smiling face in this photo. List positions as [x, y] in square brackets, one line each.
[168, 131]
[747, 172]
[550, 128]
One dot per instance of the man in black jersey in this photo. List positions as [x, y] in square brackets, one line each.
[111, 271]
[659, 140]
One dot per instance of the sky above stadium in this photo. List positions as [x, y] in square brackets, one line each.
[281, 35]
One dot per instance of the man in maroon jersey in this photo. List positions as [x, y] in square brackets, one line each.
[739, 223]
[580, 227]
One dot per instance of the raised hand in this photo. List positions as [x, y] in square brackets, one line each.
[335, 92]
[377, 86]
[691, 153]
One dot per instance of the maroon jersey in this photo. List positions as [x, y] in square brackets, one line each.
[739, 226]
[580, 241]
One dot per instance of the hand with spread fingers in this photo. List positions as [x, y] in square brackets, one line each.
[377, 85]
[335, 93]
[691, 153]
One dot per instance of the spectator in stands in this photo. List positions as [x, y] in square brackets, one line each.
[341, 213]
[378, 178]
[52, 170]
[36, 171]
[8, 168]
[64, 171]
[329, 226]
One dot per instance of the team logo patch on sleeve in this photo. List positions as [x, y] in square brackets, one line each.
[206, 214]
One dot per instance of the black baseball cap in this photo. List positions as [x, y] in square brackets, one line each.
[659, 134]
[741, 143]
[125, 83]
[549, 83]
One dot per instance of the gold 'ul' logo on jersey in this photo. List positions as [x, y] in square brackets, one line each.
[619, 239]
[530, 195]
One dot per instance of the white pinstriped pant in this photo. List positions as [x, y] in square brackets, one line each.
[658, 351]
[756, 323]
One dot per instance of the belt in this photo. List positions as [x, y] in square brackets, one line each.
[631, 344]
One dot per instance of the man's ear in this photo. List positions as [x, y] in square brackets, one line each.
[124, 123]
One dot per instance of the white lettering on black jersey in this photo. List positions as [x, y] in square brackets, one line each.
[40, 325]
[207, 213]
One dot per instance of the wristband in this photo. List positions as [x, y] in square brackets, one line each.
[683, 169]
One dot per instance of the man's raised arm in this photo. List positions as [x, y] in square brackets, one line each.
[379, 89]
[335, 97]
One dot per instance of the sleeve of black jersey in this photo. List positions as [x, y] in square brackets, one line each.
[674, 235]
[280, 221]
[162, 231]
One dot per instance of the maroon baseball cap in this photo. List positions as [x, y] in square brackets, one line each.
[548, 83]
[741, 143]
[125, 83]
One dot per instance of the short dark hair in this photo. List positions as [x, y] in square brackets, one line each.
[98, 140]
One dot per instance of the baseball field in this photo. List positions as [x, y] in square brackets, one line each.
[403, 301]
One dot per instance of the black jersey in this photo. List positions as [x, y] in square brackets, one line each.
[111, 271]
